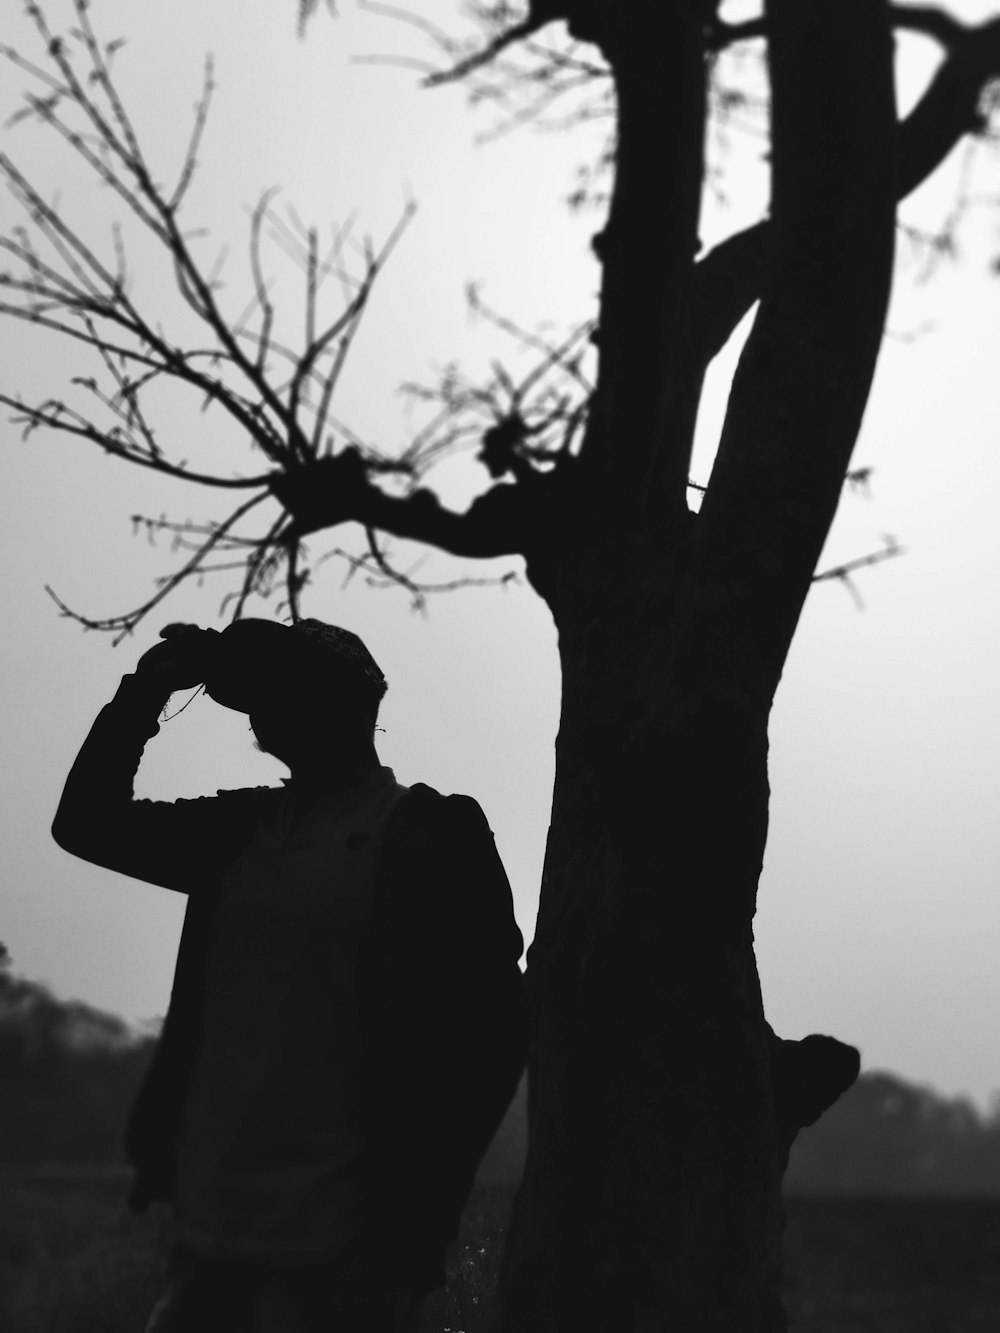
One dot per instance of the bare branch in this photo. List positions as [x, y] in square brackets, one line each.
[190, 161]
[67, 242]
[344, 326]
[842, 573]
[485, 55]
[522, 425]
[311, 289]
[122, 147]
[70, 291]
[367, 564]
[103, 295]
[259, 566]
[260, 286]
[78, 296]
[158, 214]
[525, 84]
[436, 34]
[554, 355]
[392, 575]
[295, 579]
[54, 415]
[101, 75]
[122, 625]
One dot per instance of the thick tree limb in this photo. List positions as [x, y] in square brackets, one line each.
[729, 279]
[805, 374]
[937, 24]
[338, 490]
[949, 109]
[656, 53]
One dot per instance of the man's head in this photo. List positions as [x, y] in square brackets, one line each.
[343, 664]
[311, 690]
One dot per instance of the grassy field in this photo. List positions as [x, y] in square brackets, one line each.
[72, 1260]
[893, 1265]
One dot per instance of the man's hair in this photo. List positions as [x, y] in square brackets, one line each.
[351, 665]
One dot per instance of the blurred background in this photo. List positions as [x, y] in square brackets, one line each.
[878, 918]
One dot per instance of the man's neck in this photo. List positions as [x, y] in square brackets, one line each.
[327, 776]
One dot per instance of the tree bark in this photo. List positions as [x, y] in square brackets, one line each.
[651, 1193]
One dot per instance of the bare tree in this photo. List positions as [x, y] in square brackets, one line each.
[280, 399]
[661, 1106]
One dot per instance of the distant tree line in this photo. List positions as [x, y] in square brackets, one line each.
[883, 1137]
[888, 1137]
[68, 1073]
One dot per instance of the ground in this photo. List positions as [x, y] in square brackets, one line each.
[72, 1260]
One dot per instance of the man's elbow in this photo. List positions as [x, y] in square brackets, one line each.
[69, 834]
[61, 835]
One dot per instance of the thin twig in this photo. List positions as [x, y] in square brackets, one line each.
[842, 573]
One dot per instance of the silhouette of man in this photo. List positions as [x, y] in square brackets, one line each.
[346, 1026]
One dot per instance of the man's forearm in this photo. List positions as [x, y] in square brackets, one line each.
[95, 817]
[98, 790]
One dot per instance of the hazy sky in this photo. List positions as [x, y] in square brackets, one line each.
[879, 918]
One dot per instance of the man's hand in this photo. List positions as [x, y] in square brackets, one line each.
[183, 660]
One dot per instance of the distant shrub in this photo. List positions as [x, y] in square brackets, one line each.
[69, 1073]
[72, 1259]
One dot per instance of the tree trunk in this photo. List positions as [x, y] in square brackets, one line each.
[650, 1198]
[651, 1194]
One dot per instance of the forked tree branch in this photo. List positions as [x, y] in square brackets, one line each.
[731, 277]
[803, 380]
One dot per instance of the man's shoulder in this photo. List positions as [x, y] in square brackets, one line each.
[231, 803]
[422, 803]
[426, 819]
[446, 844]
[248, 794]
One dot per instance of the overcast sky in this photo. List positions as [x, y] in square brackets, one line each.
[878, 914]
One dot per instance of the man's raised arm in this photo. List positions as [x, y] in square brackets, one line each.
[174, 844]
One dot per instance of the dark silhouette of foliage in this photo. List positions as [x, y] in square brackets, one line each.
[68, 1072]
[889, 1137]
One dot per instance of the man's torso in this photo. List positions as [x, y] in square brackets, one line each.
[273, 1132]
